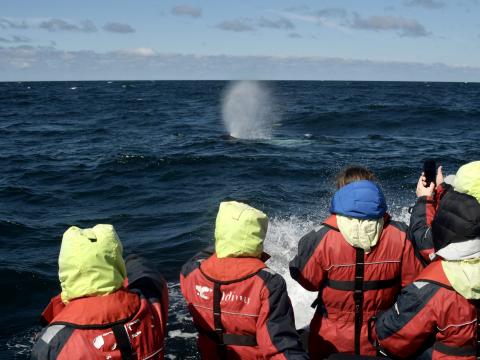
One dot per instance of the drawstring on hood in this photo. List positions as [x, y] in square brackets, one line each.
[90, 262]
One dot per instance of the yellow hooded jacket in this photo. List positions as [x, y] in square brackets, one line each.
[464, 274]
[239, 230]
[467, 179]
[90, 262]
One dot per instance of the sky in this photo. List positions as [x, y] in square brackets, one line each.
[404, 40]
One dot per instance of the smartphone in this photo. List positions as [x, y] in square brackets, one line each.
[430, 171]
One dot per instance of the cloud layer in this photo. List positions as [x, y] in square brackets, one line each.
[60, 25]
[47, 63]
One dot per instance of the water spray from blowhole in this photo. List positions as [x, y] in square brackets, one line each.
[248, 110]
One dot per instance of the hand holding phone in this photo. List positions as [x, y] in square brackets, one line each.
[430, 172]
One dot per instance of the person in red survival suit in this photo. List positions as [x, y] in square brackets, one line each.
[101, 313]
[357, 261]
[239, 306]
[429, 199]
[423, 212]
[436, 317]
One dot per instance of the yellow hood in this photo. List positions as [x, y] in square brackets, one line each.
[90, 262]
[240, 230]
[359, 233]
[464, 276]
[467, 180]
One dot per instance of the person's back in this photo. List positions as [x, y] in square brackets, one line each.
[436, 316]
[357, 260]
[108, 308]
[240, 307]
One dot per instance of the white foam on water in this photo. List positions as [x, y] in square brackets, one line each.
[181, 334]
[178, 310]
[248, 110]
[22, 343]
[289, 143]
[281, 244]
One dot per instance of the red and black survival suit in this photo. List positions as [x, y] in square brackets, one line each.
[127, 324]
[430, 319]
[240, 308]
[423, 213]
[353, 285]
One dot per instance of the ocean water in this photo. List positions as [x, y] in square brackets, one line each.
[154, 159]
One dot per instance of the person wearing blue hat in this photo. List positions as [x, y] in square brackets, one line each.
[357, 262]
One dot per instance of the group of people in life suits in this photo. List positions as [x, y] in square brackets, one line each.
[385, 289]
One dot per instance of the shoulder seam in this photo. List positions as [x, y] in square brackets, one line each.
[399, 225]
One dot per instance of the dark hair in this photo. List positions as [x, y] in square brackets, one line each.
[353, 173]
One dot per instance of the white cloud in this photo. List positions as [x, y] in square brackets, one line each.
[119, 28]
[332, 12]
[344, 21]
[186, 10]
[429, 4]
[406, 27]
[235, 25]
[6, 23]
[63, 25]
[281, 23]
[141, 51]
[15, 39]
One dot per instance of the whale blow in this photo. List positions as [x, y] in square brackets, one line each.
[247, 110]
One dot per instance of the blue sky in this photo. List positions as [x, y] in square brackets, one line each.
[318, 40]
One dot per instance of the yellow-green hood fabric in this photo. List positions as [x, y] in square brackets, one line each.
[239, 230]
[359, 233]
[464, 276]
[467, 179]
[90, 262]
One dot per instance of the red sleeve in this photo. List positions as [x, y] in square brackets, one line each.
[411, 264]
[306, 267]
[440, 191]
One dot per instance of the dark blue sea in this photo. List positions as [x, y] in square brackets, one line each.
[154, 159]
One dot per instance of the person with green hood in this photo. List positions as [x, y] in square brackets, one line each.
[239, 306]
[108, 308]
[436, 316]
